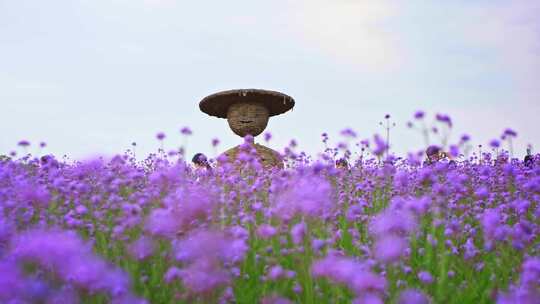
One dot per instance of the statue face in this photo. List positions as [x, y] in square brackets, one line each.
[247, 118]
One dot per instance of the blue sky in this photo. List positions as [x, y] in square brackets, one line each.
[91, 76]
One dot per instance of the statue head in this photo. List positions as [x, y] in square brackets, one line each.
[247, 118]
[247, 110]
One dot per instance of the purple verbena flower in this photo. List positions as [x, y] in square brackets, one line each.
[380, 145]
[160, 136]
[419, 114]
[348, 133]
[186, 131]
[389, 249]
[355, 275]
[425, 277]
[510, 133]
[142, 248]
[23, 143]
[398, 222]
[412, 296]
[298, 232]
[494, 143]
[266, 231]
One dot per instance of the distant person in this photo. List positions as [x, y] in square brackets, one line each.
[4, 158]
[49, 161]
[342, 164]
[529, 158]
[434, 154]
[200, 161]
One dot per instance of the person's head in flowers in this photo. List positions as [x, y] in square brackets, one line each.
[342, 164]
[200, 161]
[435, 153]
[529, 158]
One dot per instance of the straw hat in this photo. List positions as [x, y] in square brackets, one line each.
[218, 104]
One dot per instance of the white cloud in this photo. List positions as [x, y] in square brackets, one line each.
[350, 31]
[511, 31]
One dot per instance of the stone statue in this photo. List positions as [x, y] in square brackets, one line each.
[247, 112]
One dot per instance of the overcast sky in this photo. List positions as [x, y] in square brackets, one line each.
[92, 76]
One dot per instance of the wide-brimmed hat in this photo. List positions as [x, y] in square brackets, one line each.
[218, 104]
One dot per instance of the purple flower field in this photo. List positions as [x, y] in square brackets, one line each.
[377, 229]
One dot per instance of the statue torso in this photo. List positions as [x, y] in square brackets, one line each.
[267, 157]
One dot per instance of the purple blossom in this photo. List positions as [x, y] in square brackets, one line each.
[142, 248]
[454, 151]
[203, 276]
[298, 232]
[390, 248]
[509, 133]
[173, 273]
[324, 137]
[266, 231]
[470, 249]
[306, 194]
[162, 222]
[205, 254]
[425, 277]
[482, 192]
[23, 143]
[12, 286]
[185, 207]
[317, 244]
[34, 194]
[412, 296]
[530, 275]
[419, 114]
[528, 289]
[71, 259]
[494, 143]
[444, 119]
[419, 206]
[490, 221]
[397, 222]
[186, 131]
[160, 136]
[368, 298]
[275, 272]
[348, 133]
[275, 300]
[212, 245]
[355, 275]
[368, 282]
[380, 145]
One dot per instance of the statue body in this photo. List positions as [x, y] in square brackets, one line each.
[266, 156]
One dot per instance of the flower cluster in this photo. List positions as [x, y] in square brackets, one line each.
[369, 228]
